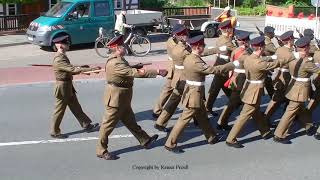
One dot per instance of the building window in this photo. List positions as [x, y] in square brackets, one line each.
[118, 4]
[1, 9]
[11, 9]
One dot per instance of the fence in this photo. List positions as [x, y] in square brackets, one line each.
[16, 22]
[172, 11]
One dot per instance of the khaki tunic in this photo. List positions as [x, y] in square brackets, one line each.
[179, 53]
[117, 99]
[65, 93]
[315, 98]
[281, 82]
[219, 80]
[298, 93]
[193, 98]
[270, 49]
[167, 88]
[256, 70]
[238, 80]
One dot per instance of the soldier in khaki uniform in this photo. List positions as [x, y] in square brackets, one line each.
[313, 47]
[117, 98]
[178, 33]
[298, 91]
[65, 93]
[236, 81]
[225, 40]
[256, 71]
[178, 54]
[283, 77]
[269, 50]
[195, 71]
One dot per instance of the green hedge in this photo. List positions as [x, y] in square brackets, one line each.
[255, 11]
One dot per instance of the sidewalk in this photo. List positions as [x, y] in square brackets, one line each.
[12, 39]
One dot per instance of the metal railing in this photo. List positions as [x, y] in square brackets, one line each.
[172, 11]
[16, 22]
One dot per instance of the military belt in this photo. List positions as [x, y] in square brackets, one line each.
[170, 58]
[255, 81]
[240, 71]
[63, 79]
[178, 67]
[223, 57]
[195, 83]
[283, 69]
[119, 85]
[300, 79]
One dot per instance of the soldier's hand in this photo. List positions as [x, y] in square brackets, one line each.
[162, 72]
[85, 66]
[138, 66]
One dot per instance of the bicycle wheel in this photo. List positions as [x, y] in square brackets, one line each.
[101, 48]
[140, 45]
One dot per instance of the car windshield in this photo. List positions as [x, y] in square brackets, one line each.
[58, 10]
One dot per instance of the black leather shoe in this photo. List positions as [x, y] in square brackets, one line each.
[311, 131]
[174, 150]
[224, 128]
[215, 140]
[268, 136]
[235, 144]
[91, 127]
[317, 136]
[108, 156]
[151, 141]
[281, 140]
[273, 125]
[59, 136]
[161, 128]
[154, 115]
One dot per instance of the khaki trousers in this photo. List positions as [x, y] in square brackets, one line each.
[233, 104]
[293, 109]
[171, 106]
[198, 114]
[248, 111]
[164, 96]
[59, 110]
[277, 99]
[216, 85]
[111, 118]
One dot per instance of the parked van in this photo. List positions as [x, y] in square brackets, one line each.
[79, 19]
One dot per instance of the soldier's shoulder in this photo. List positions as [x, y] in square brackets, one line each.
[59, 57]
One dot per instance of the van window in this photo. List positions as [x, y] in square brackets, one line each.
[83, 10]
[58, 10]
[101, 9]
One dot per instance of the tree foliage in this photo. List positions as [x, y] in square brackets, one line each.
[17, 1]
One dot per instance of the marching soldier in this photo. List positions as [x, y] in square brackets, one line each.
[118, 95]
[65, 93]
[256, 71]
[235, 82]
[178, 54]
[298, 91]
[195, 71]
[179, 32]
[270, 49]
[313, 46]
[225, 45]
[283, 77]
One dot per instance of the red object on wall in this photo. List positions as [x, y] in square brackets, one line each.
[291, 15]
[300, 15]
[311, 17]
[269, 12]
[280, 13]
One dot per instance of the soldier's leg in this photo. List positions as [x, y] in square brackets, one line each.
[170, 107]
[216, 85]
[292, 109]
[314, 102]
[164, 96]
[261, 122]
[233, 104]
[77, 111]
[109, 122]
[246, 113]
[305, 118]
[185, 118]
[204, 124]
[269, 86]
[59, 110]
[226, 91]
[129, 120]
[274, 104]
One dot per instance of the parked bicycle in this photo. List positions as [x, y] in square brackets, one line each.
[139, 45]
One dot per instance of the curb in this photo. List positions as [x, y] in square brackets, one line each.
[13, 44]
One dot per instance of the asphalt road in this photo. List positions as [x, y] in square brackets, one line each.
[27, 151]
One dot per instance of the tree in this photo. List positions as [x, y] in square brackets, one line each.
[17, 1]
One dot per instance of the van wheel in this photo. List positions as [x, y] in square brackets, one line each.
[210, 32]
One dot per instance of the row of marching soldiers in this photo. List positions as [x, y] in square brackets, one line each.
[241, 71]
[252, 62]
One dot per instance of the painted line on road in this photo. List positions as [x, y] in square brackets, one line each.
[19, 143]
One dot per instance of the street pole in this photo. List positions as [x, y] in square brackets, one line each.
[317, 23]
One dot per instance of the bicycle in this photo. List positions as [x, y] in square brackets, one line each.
[139, 45]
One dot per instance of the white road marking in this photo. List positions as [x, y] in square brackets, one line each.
[19, 143]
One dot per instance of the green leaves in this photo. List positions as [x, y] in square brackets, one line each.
[18, 1]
